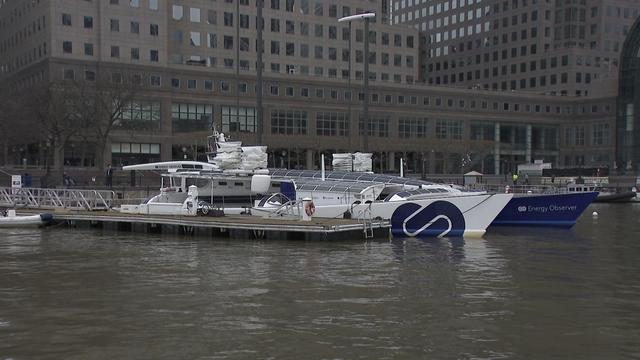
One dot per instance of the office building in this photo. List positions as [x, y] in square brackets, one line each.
[184, 55]
[544, 46]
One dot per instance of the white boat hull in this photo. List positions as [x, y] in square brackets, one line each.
[24, 221]
[467, 216]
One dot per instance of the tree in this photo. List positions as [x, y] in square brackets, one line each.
[16, 127]
[54, 109]
[111, 98]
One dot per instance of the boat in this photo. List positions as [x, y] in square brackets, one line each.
[235, 181]
[548, 210]
[9, 218]
[604, 194]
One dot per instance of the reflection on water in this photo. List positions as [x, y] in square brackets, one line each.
[517, 293]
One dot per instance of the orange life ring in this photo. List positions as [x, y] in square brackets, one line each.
[310, 209]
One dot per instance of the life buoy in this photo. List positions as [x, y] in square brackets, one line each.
[310, 209]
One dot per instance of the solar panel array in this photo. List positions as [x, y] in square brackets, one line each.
[311, 184]
[345, 176]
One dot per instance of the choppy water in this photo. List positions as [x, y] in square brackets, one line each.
[516, 294]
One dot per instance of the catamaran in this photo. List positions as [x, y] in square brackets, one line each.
[239, 184]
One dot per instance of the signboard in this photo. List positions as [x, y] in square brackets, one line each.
[16, 183]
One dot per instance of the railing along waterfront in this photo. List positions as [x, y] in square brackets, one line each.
[56, 198]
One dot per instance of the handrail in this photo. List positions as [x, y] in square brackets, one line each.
[57, 198]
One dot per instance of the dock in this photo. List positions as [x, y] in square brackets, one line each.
[230, 226]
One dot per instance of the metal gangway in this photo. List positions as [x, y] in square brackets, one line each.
[73, 199]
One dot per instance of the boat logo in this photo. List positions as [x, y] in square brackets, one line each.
[440, 218]
[522, 208]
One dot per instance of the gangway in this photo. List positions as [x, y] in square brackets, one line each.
[74, 199]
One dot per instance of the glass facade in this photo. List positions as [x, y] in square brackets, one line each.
[140, 115]
[289, 122]
[191, 117]
[238, 119]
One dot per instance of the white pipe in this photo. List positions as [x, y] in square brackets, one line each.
[401, 167]
[322, 165]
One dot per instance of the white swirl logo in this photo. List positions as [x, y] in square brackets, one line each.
[439, 218]
[522, 208]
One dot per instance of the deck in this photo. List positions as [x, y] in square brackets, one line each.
[226, 226]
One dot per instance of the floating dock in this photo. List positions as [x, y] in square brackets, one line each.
[230, 226]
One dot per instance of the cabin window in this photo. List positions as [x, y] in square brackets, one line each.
[238, 184]
[222, 183]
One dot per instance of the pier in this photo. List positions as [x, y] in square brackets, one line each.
[230, 226]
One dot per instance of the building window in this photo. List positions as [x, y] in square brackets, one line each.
[412, 127]
[134, 153]
[67, 47]
[175, 83]
[135, 54]
[115, 25]
[481, 130]
[155, 80]
[88, 49]
[242, 119]
[135, 27]
[66, 19]
[178, 12]
[449, 129]
[153, 55]
[154, 29]
[69, 74]
[600, 134]
[139, 115]
[191, 117]
[115, 52]
[332, 123]
[90, 75]
[194, 15]
[378, 126]
[88, 22]
[153, 4]
[289, 122]
[208, 85]
[194, 38]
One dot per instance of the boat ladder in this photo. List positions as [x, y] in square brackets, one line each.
[367, 222]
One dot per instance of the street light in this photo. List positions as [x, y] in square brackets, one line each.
[365, 106]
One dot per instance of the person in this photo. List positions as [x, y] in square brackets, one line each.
[553, 178]
[526, 179]
[109, 177]
[515, 179]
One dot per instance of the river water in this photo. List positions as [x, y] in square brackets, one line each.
[517, 293]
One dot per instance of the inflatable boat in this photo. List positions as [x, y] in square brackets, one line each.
[8, 218]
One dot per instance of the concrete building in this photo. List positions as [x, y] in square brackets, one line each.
[557, 47]
[185, 53]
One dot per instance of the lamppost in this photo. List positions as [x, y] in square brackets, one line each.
[365, 106]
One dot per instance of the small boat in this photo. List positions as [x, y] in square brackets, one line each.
[8, 218]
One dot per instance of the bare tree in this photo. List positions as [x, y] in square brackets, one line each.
[54, 109]
[111, 99]
[16, 127]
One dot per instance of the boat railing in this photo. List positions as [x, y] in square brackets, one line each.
[289, 209]
[73, 199]
[518, 189]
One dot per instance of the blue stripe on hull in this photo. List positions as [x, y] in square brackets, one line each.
[555, 210]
